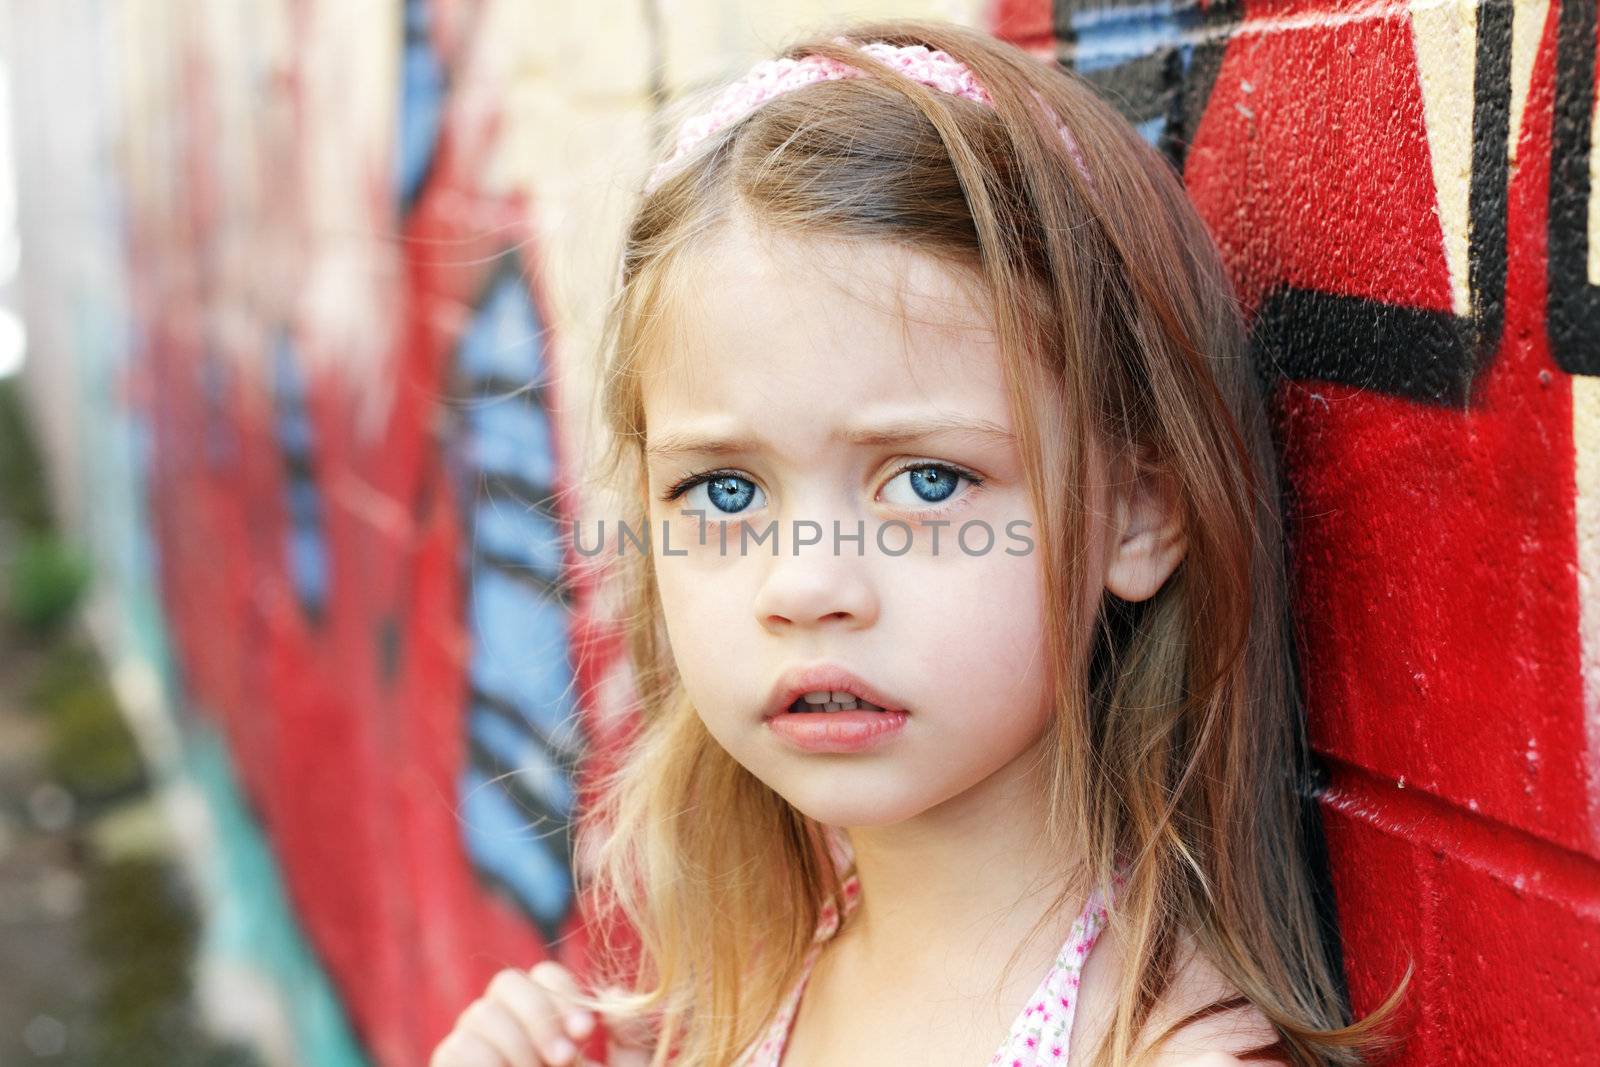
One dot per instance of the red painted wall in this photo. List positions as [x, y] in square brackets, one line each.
[1429, 453]
[318, 566]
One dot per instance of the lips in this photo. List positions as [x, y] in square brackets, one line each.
[796, 682]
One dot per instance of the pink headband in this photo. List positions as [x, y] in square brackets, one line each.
[934, 68]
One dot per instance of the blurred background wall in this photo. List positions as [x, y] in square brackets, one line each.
[284, 260]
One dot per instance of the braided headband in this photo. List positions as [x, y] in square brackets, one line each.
[934, 68]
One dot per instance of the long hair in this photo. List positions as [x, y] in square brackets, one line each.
[1176, 742]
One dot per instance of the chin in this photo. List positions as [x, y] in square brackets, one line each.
[828, 803]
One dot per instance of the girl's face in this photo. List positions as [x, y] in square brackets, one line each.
[794, 346]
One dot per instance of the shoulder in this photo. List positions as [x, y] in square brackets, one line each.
[1219, 1038]
[1215, 1039]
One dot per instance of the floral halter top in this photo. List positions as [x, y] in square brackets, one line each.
[1038, 1037]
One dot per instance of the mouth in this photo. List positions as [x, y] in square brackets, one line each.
[827, 710]
[826, 689]
[823, 701]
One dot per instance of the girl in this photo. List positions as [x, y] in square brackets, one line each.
[963, 649]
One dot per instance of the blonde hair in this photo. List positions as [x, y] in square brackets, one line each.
[1176, 742]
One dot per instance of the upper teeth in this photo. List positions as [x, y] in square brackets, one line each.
[836, 700]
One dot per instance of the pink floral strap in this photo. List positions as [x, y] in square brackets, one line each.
[932, 67]
[1040, 1035]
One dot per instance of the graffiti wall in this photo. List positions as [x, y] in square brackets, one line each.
[1404, 193]
[361, 278]
[338, 378]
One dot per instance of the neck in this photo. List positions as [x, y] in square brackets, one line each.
[965, 880]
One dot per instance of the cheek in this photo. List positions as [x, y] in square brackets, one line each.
[703, 611]
[983, 639]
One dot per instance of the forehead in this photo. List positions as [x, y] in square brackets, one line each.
[768, 320]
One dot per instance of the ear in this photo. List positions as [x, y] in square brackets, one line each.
[1147, 538]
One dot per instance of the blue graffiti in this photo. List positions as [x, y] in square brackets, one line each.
[517, 791]
[1109, 36]
[422, 93]
[219, 442]
[1113, 46]
[306, 540]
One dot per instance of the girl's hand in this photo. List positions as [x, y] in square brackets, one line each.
[529, 1019]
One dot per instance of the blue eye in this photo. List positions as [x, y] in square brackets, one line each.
[932, 483]
[730, 493]
[726, 493]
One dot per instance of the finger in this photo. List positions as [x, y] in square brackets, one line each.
[462, 1048]
[537, 1010]
[623, 1031]
[622, 1056]
[575, 1019]
[491, 1021]
[629, 1031]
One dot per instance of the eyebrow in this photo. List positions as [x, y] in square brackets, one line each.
[893, 432]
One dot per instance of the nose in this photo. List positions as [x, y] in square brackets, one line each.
[814, 588]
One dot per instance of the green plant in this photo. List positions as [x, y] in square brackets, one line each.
[92, 752]
[48, 580]
[142, 928]
[23, 497]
